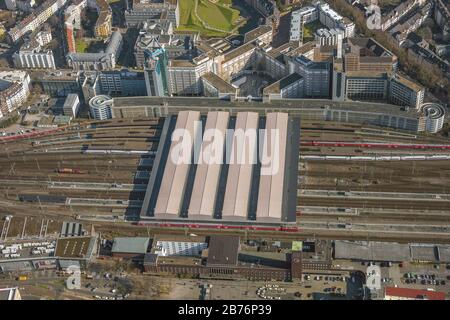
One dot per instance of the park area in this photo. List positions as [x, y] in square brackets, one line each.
[209, 17]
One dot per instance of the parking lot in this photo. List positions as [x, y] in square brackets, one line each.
[407, 275]
[30, 249]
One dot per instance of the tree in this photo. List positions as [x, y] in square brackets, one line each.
[36, 89]
[4, 63]
[54, 22]
[80, 34]
[53, 45]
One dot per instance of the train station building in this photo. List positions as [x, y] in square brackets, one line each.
[225, 167]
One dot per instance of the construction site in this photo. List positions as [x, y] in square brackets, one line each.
[354, 182]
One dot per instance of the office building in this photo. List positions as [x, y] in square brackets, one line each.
[316, 76]
[140, 11]
[156, 73]
[58, 83]
[185, 76]
[373, 113]
[432, 117]
[100, 107]
[133, 248]
[366, 86]
[365, 54]
[159, 34]
[289, 87]
[113, 83]
[71, 105]
[215, 86]
[405, 92]
[225, 259]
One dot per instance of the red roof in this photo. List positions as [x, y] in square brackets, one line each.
[414, 293]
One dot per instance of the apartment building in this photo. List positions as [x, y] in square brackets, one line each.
[36, 19]
[14, 90]
[32, 56]
[140, 11]
[103, 25]
[323, 13]
[98, 61]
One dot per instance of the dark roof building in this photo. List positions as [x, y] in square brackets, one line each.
[223, 251]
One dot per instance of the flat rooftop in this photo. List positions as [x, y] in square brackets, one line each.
[257, 32]
[130, 245]
[74, 247]
[286, 105]
[223, 250]
[276, 87]
[230, 55]
[409, 83]
[220, 84]
[373, 251]
[391, 251]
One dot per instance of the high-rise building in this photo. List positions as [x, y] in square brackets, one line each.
[156, 73]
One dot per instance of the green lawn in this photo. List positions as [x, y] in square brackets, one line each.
[216, 15]
[310, 28]
[81, 45]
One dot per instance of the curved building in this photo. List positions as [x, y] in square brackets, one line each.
[432, 117]
[100, 107]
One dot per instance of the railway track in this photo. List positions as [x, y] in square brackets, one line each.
[373, 203]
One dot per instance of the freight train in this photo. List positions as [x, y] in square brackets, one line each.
[70, 171]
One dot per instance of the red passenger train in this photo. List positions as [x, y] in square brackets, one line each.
[221, 226]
